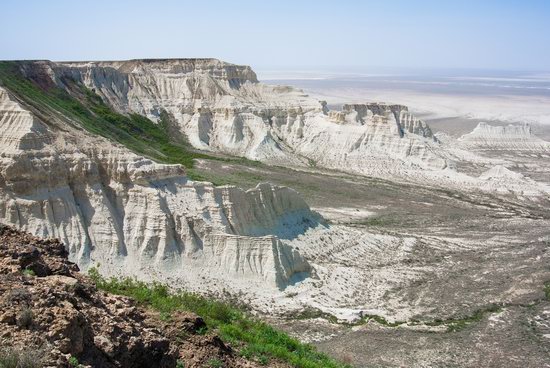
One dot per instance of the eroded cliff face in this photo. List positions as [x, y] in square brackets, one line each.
[510, 137]
[134, 216]
[222, 107]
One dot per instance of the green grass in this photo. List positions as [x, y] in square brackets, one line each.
[86, 109]
[73, 362]
[252, 338]
[547, 290]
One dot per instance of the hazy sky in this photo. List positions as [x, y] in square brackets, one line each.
[494, 34]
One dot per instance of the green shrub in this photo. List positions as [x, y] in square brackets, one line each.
[28, 272]
[215, 363]
[73, 362]
[25, 318]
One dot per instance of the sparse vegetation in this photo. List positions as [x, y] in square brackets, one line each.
[73, 362]
[452, 324]
[28, 272]
[379, 221]
[25, 318]
[311, 313]
[381, 320]
[12, 358]
[458, 324]
[255, 339]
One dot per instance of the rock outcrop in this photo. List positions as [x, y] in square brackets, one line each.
[512, 137]
[134, 216]
[222, 107]
[51, 315]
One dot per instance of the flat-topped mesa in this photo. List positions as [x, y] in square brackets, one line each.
[511, 136]
[510, 131]
[214, 67]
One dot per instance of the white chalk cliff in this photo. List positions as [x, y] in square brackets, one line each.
[132, 215]
[222, 107]
[138, 217]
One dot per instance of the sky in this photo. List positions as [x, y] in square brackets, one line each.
[481, 34]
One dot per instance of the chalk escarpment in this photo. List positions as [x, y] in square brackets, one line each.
[222, 107]
[131, 215]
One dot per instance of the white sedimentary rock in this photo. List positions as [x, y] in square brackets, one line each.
[130, 214]
[137, 217]
[509, 137]
[222, 107]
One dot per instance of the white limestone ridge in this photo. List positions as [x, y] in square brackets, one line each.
[222, 107]
[133, 216]
[509, 137]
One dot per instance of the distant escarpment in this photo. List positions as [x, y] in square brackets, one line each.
[509, 137]
[222, 107]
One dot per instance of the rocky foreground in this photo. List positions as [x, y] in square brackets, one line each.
[53, 316]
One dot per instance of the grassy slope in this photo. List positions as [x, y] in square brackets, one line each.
[254, 340]
[86, 109]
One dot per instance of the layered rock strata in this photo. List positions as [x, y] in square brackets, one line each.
[130, 214]
[222, 107]
[512, 137]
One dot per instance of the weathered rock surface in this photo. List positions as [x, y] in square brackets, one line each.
[55, 313]
[513, 137]
[131, 215]
[222, 107]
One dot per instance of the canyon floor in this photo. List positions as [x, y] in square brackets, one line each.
[465, 287]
